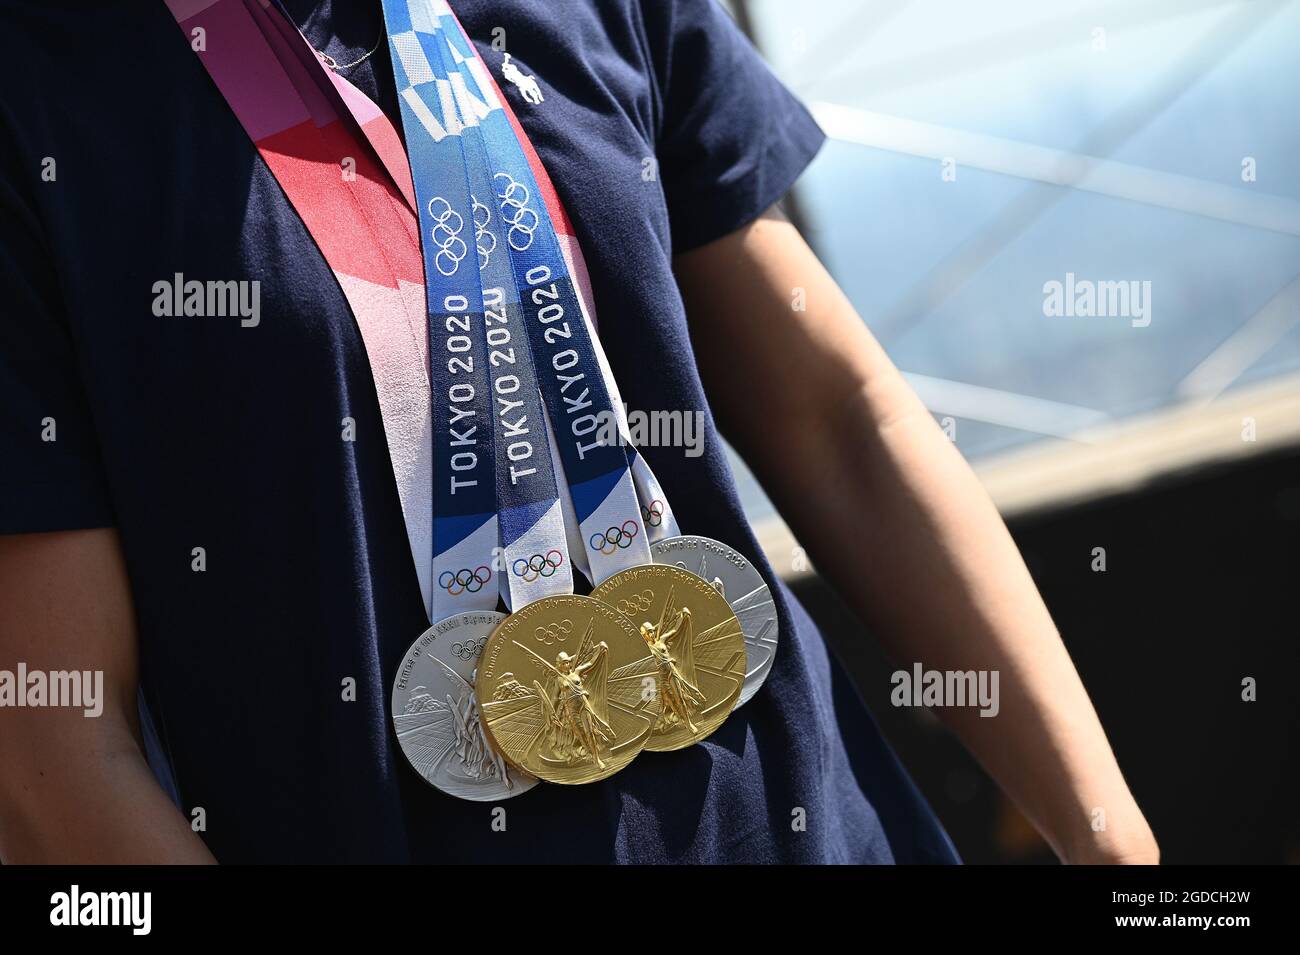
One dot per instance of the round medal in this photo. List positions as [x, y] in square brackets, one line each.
[567, 689]
[733, 576]
[696, 643]
[436, 714]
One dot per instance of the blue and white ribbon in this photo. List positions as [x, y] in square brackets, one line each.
[534, 557]
[562, 486]
[465, 525]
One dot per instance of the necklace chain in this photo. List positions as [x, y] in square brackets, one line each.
[335, 65]
[325, 58]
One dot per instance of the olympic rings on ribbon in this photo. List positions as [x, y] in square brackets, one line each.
[523, 221]
[484, 241]
[539, 565]
[464, 580]
[654, 514]
[616, 538]
[448, 224]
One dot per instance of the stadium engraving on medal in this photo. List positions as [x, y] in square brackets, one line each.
[739, 581]
[696, 642]
[567, 689]
[436, 713]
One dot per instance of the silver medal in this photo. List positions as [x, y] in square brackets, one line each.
[437, 718]
[733, 576]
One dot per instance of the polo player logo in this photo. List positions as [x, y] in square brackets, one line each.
[528, 88]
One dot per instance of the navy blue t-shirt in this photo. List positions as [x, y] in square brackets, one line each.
[120, 165]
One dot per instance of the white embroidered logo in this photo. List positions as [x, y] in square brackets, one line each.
[528, 88]
[448, 224]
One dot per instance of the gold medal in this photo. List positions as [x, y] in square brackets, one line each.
[696, 642]
[567, 689]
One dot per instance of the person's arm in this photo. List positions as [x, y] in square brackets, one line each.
[75, 789]
[894, 518]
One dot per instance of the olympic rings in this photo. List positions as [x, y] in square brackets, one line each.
[523, 221]
[484, 241]
[539, 565]
[468, 650]
[555, 632]
[464, 580]
[654, 514]
[446, 233]
[637, 603]
[616, 538]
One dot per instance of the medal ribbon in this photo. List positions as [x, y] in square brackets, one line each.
[655, 509]
[465, 523]
[656, 512]
[535, 556]
[297, 113]
[574, 379]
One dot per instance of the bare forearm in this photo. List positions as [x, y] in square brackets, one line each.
[97, 805]
[896, 519]
[77, 789]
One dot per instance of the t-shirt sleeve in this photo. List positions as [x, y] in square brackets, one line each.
[51, 472]
[732, 138]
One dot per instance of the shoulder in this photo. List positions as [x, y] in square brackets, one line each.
[641, 28]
